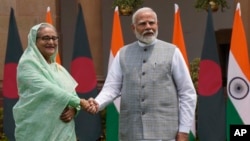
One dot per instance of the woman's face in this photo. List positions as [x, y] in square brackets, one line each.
[47, 42]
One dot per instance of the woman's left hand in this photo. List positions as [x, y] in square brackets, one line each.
[68, 114]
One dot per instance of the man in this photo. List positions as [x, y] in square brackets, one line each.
[158, 98]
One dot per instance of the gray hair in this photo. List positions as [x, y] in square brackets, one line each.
[44, 25]
[144, 9]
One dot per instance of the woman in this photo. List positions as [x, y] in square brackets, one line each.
[47, 99]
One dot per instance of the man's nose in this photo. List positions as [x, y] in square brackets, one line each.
[147, 25]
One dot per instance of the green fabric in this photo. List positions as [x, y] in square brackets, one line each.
[44, 91]
[112, 121]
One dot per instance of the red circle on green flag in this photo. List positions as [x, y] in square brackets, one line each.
[9, 81]
[82, 70]
[210, 78]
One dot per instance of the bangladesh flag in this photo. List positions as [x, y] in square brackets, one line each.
[88, 126]
[10, 92]
[211, 99]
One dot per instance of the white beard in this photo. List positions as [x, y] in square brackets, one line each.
[146, 39]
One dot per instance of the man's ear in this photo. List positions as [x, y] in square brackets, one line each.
[133, 27]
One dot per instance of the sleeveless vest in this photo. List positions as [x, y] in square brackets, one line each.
[149, 103]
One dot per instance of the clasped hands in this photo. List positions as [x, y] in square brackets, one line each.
[89, 105]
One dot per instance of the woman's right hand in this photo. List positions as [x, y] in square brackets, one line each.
[84, 104]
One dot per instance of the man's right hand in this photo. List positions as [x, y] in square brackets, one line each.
[93, 106]
[89, 105]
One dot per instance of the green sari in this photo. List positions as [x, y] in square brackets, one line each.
[44, 91]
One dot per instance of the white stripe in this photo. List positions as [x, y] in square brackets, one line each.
[240, 105]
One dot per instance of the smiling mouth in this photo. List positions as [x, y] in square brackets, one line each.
[50, 47]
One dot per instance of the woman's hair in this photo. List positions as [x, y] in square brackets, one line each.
[44, 25]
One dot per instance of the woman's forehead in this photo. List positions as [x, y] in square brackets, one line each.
[46, 30]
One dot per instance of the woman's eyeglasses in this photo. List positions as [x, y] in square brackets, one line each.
[48, 38]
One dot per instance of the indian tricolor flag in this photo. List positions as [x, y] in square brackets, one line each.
[238, 103]
[113, 109]
[178, 40]
[48, 16]
[49, 20]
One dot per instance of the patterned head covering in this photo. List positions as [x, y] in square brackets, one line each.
[32, 37]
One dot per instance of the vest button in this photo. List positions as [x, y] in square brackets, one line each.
[142, 113]
[143, 73]
[143, 86]
[144, 61]
[145, 49]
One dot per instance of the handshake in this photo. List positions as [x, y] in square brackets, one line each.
[89, 105]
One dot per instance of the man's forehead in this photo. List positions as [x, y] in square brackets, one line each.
[146, 20]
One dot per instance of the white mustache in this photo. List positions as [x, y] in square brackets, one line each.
[148, 31]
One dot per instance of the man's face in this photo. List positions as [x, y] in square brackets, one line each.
[146, 27]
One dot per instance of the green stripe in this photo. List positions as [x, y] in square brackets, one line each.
[233, 117]
[191, 136]
[112, 117]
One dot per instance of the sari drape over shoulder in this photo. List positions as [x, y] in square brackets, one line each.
[44, 91]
